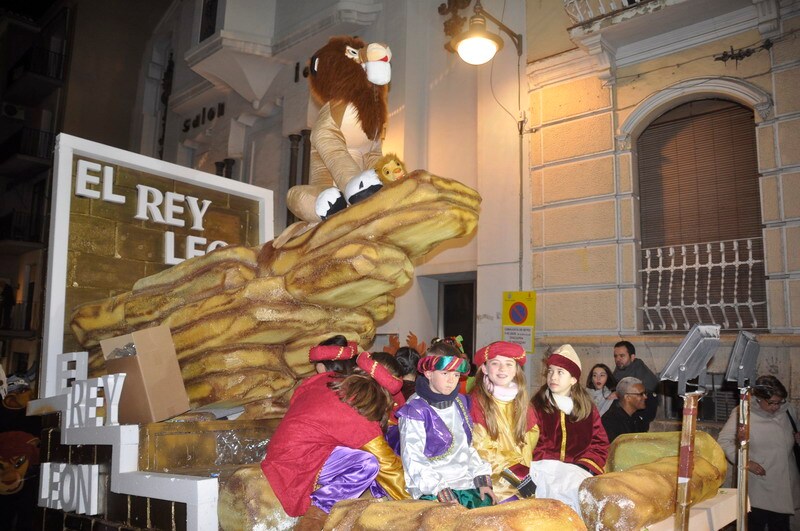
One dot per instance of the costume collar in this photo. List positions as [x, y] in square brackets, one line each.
[564, 403]
[437, 400]
[504, 394]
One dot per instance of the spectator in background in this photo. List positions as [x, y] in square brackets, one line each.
[774, 483]
[621, 418]
[629, 365]
[601, 384]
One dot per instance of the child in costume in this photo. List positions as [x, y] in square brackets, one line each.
[467, 381]
[505, 425]
[572, 443]
[330, 446]
[436, 435]
[334, 354]
[569, 423]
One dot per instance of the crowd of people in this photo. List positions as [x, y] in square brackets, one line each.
[400, 426]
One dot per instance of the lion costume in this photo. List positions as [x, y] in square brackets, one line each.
[350, 80]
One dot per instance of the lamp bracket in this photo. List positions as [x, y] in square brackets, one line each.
[516, 38]
[454, 24]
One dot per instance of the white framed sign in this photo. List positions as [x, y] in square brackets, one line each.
[112, 198]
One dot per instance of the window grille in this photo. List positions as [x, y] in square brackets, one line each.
[709, 283]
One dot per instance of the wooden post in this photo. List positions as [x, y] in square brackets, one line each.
[686, 458]
[743, 450]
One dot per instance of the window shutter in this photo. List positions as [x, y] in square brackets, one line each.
[698, 182]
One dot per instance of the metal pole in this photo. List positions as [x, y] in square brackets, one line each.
[743, 440]
[686, 458]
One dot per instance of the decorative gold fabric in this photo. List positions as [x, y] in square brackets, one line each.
[504, 451]
[390, 476]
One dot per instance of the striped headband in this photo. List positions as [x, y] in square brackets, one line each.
[432, 362]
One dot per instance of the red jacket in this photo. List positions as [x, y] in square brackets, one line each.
[316, 423]
[586, 441]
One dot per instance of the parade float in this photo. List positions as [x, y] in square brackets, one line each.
[232, 319]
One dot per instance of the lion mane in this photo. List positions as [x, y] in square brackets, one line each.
[333, 77]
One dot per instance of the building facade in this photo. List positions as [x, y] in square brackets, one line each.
[660, 126]
[238, 104]
[554, 150]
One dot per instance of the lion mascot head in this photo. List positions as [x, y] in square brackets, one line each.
[348, 70]
[349, 79]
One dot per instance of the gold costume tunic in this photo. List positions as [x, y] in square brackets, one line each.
[504, 451]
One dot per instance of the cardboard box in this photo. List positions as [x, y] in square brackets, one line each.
[153, 390]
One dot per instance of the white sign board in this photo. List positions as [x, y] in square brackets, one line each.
[85, 171]
[520, 335]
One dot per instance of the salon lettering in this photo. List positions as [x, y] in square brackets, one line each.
[205, 115]
[166, 208]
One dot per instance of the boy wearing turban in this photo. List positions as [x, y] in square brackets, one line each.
[436, 435]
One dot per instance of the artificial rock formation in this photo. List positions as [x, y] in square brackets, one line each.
[246, 501]
[416, 515]
[242, 319]
[639, 487]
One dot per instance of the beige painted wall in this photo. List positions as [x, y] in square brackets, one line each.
[584, 194]
[544, 23]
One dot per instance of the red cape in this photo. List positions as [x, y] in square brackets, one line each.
[316, 423]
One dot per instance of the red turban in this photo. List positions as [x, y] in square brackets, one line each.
[500, 348]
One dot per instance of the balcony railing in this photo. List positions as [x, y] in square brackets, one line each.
[16, 225]
[581, 11]
[29, 142]
[710, 283]
[38, 61]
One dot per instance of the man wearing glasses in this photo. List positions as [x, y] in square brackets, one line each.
[627, 364]
[621, 416]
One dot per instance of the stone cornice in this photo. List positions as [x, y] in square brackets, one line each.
[602, 51]
[556, 69]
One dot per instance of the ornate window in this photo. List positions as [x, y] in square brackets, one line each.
[702, 249]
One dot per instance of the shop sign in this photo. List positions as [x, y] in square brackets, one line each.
[206, 115]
